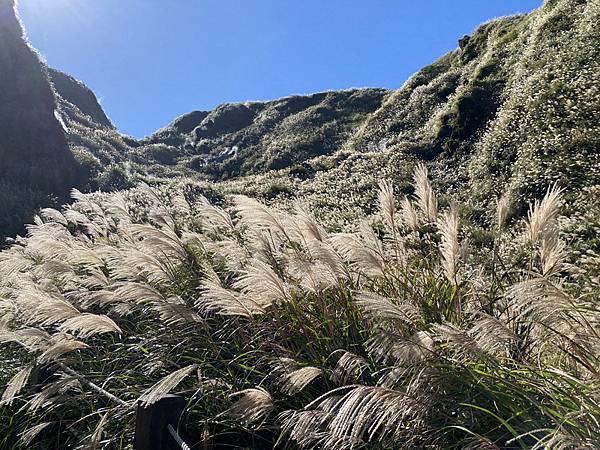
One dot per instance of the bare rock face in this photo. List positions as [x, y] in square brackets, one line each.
[36, 163]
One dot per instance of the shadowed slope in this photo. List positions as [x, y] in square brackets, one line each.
[36, 162]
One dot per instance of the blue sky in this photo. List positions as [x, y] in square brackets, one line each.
[151, 60]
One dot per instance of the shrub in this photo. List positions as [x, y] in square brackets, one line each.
[114, 178]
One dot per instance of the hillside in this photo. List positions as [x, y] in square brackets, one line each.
[512, 109]
[36, 162]
[349, 270]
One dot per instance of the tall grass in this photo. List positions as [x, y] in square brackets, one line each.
[279, 332]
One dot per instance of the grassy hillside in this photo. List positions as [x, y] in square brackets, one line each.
[36, 163]
[511, 110]
[410, 269]
[241, 139]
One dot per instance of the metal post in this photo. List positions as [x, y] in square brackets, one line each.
[152, 421]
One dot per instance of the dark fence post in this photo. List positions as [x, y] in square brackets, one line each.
[151, 422]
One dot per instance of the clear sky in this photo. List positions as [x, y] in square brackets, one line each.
[149, 61]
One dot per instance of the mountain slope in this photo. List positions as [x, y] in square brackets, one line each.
[77, 93]
[241, 139]
[513, 109]
[36, 161]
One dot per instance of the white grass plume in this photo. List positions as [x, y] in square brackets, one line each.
[368, 414]
[254, 404]
[28, 436]
[41, 308]
[166, 385]
[86, 325]
[15, 385]
[364, 250]
[542, 215]
[379, 308]
[449, 245]
[50, 214]
[262, 284]
[30, 338]
[387, 204]
[307, 225]
[402, 350]
[425, 196]
[409, 215]
[296, 381]
[61, 346]
[348, 368]
[553, 253]
[256, 214]
[45, 397]
[215, 298]
[214, 218]
[305, 428]
[492, 335]
[503, 209]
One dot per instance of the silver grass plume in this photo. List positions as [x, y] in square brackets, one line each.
[61, 346]
[295, 382]
[166, 385]
[86, 325]
[410, 218]
[305, 428]
[15, 385]
[45, 397]
[254, 404]
[50, 214]
[363, 250]
[262, 284]
[28, 436]
[308, 226]
[462, 346]
[425, 196]
[368, 414]
[502, 211]
[402, 350]
[553, 253]
[348, 368]
[449, 245]
[387, 204]
[215, 219]
[215, 298]
[492, 335]
[29, 338]
[314, 277]
[379, 308]
[256, 214]
[542, 215]
[387, 209]
[41, 308]
[96, 437]
[163, 241]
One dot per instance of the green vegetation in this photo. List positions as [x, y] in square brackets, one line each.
[323, 308]
[400, 335]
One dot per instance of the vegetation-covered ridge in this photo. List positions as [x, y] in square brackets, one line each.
[36, 163]
[514, 108]
[339, 303]
[401, 335]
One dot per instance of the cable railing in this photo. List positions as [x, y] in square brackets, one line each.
[155, 424]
